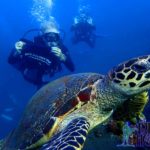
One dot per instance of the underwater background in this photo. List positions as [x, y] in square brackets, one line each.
[124, 27]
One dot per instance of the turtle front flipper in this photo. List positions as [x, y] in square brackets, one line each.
[71, 138]
[131, 110]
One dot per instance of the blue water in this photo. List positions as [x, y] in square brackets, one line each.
[124, 25]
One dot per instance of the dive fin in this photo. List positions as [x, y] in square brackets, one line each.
[71, 138]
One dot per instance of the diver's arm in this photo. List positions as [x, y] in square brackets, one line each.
[57, 52]
[69, 64]
[15, 54]
[62, 55]
[13, 57]
[68, 61]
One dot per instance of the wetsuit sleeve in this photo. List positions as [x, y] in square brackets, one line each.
[16, 58]
[68, 62]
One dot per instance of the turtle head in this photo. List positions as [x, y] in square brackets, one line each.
[133, 76]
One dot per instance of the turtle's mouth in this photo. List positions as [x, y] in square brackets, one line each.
[39, 58]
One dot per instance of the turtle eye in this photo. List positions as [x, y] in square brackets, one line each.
[139, 68]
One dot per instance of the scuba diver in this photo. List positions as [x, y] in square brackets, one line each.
[83, 28]
[44, 55]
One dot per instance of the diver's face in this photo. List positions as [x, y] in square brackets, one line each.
[51, 39]
[51, 44]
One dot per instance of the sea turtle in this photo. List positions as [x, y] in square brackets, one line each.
[61, 114]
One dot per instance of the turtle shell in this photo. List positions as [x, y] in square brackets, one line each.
[52, 101]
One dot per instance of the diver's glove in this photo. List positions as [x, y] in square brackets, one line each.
[19, 46]
[58, 53]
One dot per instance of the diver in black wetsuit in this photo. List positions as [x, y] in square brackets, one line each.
[42, 56]
[83, 28]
